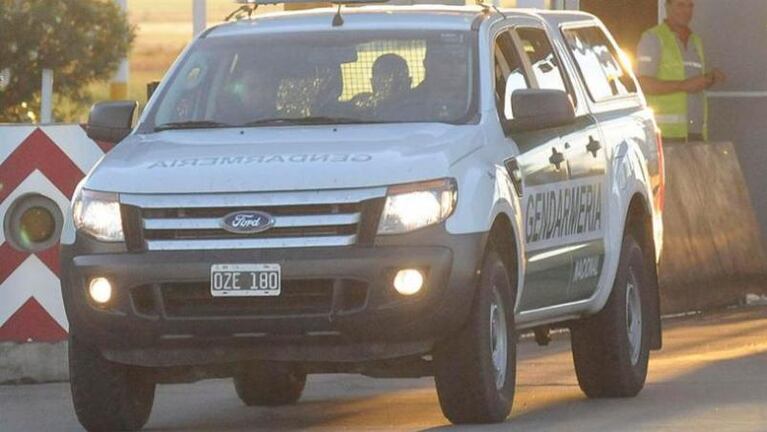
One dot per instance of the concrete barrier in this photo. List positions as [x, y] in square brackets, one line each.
[30, 363]
[712, 255]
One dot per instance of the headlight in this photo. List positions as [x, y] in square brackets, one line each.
[98, 215]
[414, 206]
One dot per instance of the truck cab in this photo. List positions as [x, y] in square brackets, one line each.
[399, 195]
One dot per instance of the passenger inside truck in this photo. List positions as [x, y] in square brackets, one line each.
[390, 88]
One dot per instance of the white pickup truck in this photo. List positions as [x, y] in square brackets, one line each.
[392, 191]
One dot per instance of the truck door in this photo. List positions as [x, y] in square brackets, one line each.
[612, 97]
[587, 164]
[544, 174]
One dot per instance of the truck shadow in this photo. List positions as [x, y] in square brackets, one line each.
[716, 383]
[728, 392]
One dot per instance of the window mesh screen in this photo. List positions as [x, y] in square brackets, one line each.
[356, 75]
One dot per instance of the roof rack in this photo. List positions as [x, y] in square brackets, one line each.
[248, 7]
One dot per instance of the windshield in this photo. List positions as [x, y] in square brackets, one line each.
[316, 78]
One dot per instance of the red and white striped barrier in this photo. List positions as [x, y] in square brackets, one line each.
[49, 161]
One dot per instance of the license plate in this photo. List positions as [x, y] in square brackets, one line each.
[245, 280]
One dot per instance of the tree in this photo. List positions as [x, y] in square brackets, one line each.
[82, 41]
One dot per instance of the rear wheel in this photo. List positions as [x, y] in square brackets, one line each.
[108, 396]
[611, 350]
[475, 370]
[269, 384]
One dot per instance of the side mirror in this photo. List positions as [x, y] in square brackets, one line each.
[111, 121]
[150, 89]
[536, 109]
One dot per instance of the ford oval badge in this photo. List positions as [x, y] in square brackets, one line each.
[247, 222]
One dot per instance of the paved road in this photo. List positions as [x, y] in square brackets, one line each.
[712, 375]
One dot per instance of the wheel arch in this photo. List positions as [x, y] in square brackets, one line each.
[639, 223]
[502, 238]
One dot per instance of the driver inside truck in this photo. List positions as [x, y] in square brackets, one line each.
[250, 98]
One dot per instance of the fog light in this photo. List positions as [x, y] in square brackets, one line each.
[408, 281]
[100, 290]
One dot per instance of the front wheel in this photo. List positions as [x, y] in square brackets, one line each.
[611, 350]
[475, 370]
[108, 396]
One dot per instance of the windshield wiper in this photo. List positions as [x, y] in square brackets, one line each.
[310, 120]
[195, 124]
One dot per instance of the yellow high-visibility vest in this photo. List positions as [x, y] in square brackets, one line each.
[671, 109]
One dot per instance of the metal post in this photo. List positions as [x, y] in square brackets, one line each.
[538, 4]
[200, 16]
[661, 11]
[118, 88]
[568, 5]
[46, 102]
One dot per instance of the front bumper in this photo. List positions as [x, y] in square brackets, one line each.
[162, 314]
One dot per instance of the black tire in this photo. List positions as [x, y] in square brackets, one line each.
[607, 364]
[269, 384]
[469, 388]
[108, 396]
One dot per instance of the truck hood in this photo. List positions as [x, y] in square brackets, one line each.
[282, 158]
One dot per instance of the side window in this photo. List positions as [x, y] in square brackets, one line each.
[509, 72]
[599, 63]
[546, 67]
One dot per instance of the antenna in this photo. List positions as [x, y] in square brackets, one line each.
[247, 8]
[486, 8]
[338, 20]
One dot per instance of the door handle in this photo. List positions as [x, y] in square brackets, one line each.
[556, 158]
[593, 146]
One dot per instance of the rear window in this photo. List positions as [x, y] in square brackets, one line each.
[599, 63]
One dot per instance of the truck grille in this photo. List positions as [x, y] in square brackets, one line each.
[179, 222]
[301, 297]
[306, 297]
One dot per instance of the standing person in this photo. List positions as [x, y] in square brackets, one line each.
[672, 72]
